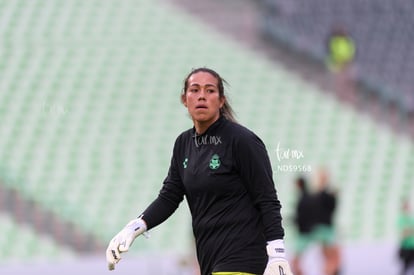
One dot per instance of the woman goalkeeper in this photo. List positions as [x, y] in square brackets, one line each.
[224, 171]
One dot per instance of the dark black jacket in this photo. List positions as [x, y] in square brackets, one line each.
[305, 215]
[325, 206]
[226, 176]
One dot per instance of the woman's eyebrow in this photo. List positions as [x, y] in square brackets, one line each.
[207, 85]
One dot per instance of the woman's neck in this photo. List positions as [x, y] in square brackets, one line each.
[202, 126]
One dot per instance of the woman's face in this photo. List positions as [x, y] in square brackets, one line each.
[202, 98]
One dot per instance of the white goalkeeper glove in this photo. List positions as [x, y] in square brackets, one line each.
[123, 240]
[277, 263]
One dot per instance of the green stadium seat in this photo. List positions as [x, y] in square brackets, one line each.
[91, 116]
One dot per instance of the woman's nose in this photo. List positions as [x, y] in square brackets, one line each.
[201, 94]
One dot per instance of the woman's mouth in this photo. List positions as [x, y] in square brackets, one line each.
[201, 106]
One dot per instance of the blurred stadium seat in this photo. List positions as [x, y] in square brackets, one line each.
[91, 111]
[381, 29]
[20, 243]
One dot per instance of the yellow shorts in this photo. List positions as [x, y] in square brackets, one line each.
[231, 273]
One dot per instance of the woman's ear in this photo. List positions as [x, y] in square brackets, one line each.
[222, 101]
[184, 100]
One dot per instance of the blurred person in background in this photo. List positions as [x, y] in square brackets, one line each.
[406, 233]
[324, 229]
[304, 220]
[341, 50]
[224, 172]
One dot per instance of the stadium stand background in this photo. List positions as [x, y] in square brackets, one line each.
[89, 110]
[382, 31]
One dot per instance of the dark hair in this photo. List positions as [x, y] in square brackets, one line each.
[226, 110]
[302, 184]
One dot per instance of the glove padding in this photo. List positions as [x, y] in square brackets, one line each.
[277, 263]
[123, 240]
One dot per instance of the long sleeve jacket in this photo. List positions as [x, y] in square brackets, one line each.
[226, 176]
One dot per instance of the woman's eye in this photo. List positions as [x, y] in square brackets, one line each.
[210, 91]
[194, 90]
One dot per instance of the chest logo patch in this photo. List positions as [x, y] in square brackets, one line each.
[214, 162]
[185, 162]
